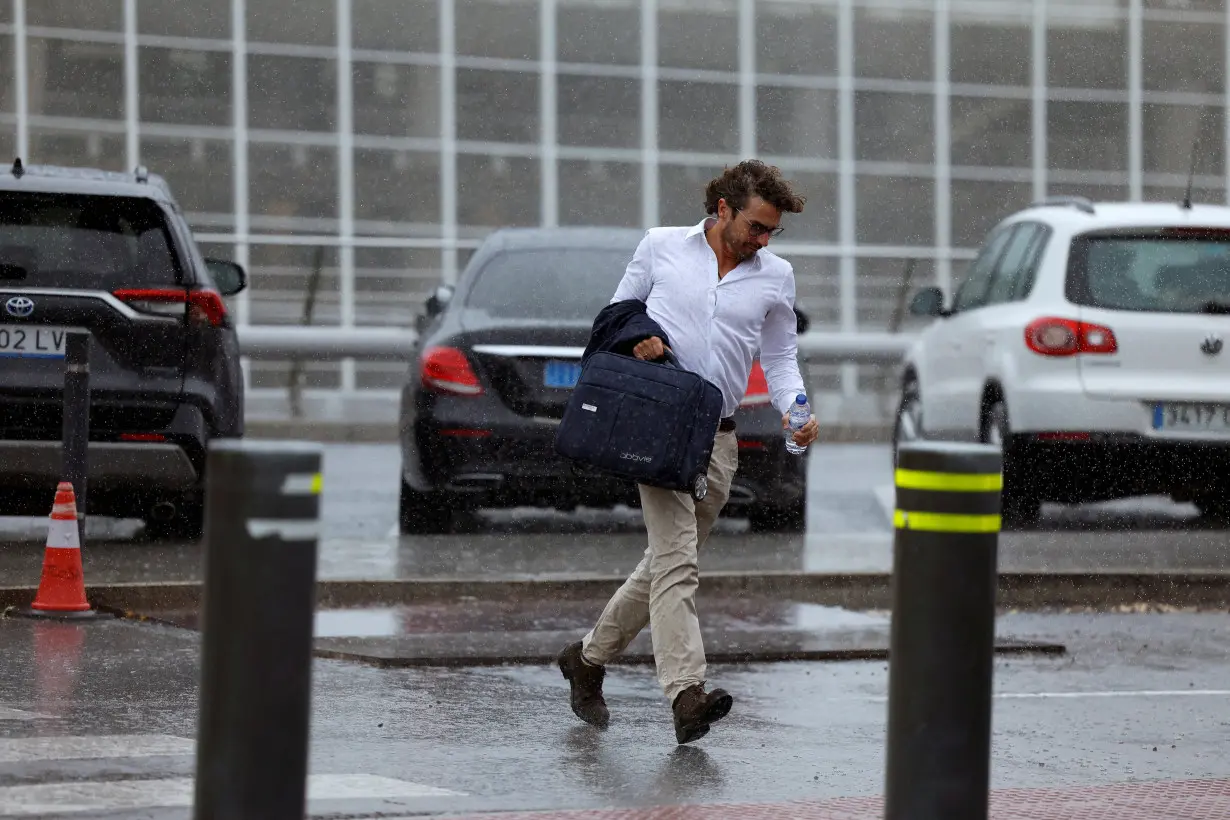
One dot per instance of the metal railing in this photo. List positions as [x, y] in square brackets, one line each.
[318, 315]
[334, 344]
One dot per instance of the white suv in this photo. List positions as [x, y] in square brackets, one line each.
[1088, 341]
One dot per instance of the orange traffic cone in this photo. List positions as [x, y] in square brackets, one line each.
[61, 591]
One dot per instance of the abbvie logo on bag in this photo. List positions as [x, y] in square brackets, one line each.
[635, 457]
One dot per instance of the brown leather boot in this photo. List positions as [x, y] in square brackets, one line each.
[586, 679]
[695, 709]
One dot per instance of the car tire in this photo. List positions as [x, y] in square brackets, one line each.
[423, 513]
[188, 524]
[908, 421]
[1020, 506]
[778, 519]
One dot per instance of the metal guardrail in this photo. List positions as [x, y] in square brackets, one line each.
[331, 344]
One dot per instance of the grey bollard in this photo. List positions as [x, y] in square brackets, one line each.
[942, 641]
[76, 424]
[262, 518]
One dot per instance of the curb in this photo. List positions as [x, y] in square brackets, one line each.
[1023, 591]
[387, 432]
[1004, 648]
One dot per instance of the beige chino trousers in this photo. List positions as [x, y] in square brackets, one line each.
[662, 589]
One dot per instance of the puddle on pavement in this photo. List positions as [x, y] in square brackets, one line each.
[736, 615]
[476, 617]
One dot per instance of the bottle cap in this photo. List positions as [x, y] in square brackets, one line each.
[800, 399]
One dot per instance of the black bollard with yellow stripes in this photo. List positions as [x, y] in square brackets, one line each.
[942, 645]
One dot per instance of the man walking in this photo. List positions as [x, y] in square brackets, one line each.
[718, 296]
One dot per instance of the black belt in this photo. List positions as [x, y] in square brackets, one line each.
[727, 424]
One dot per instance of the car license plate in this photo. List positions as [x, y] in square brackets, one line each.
[563, 375]
[1184, 417]
[32, 342]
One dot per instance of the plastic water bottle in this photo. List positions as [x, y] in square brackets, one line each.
[800, 414]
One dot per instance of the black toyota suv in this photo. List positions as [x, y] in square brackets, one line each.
[112, 254]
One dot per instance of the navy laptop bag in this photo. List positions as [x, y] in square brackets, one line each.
[648, 422]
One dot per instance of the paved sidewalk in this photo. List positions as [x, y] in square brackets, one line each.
[1164, 800]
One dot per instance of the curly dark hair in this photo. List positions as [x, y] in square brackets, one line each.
[752, 178]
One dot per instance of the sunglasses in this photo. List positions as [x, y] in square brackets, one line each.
[760, 230]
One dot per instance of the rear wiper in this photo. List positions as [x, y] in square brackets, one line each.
[9, 271]
[1215, 307]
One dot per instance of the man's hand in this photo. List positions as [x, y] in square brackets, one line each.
[649, 349]
[807, 434]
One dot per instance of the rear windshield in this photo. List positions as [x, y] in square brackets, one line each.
[88, 242]
[1185, 273]
[557, 283]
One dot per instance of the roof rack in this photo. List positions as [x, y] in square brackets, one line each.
[18, 170]
[1078, 202]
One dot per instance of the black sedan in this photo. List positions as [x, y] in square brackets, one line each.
[497, 358]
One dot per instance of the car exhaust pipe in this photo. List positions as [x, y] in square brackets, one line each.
[162, 511]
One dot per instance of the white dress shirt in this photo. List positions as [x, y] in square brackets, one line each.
[715, 326]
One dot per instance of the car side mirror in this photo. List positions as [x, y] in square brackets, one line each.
[230, 277]
[438, 301]
[802, 322]
[928, 302]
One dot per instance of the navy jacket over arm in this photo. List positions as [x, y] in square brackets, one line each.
[621, 326]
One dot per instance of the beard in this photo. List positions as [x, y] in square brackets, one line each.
[742, 249]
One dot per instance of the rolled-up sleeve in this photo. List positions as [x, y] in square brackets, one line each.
[779, 352]
[638, 277]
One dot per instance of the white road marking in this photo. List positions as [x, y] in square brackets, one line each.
[19, 714]
[1137, 693]
[127, 795]
[367, 787]
[26, 749]
[1141, 693]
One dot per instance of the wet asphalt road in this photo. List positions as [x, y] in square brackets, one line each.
[83, 708]
[849, 530]
[1139, 697]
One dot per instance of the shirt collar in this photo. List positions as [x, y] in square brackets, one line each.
[701, 227]
[699, 230]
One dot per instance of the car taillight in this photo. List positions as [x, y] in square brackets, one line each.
[1053, 336]
[203, 306]
[446, 370]
[757, 388]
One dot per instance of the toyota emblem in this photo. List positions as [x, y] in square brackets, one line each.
[1212, 345]
[19, 306]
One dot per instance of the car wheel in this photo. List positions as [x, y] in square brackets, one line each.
[423, 513]
[778, 519]
[907, 425]
[187, 524]
[1020, 506]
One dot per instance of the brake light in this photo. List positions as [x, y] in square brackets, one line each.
[446, 370]
[142, 437]
[1051, 336]
[203, 307]
[757, 388]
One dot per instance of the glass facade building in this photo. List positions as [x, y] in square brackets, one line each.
[420, 125]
